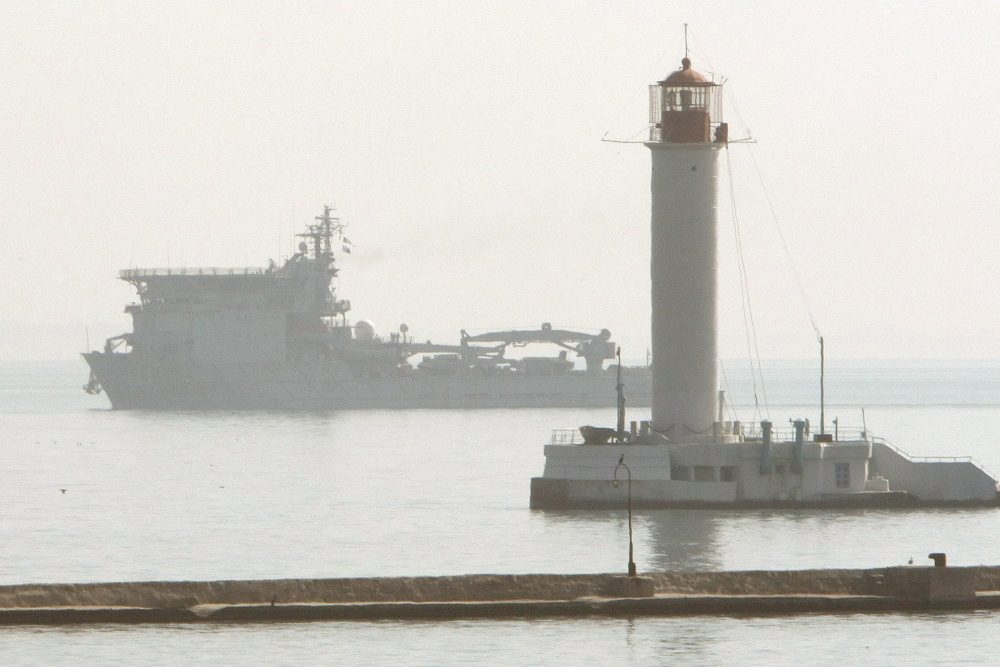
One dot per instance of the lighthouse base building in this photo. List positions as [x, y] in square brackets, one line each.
[687, 455]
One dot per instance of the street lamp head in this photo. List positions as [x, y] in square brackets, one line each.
[628, 471]
[614, 482]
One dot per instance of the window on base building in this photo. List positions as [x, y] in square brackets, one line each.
[727, 474]
[704, 474]
[680, 473]
[842, 471]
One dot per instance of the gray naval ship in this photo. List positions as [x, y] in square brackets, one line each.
[279, 338]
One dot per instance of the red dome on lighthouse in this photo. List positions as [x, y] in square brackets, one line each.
[685, 76]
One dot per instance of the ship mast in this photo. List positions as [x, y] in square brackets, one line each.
[621, 399]
[321, 234]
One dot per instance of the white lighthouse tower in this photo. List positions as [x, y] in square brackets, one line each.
[686, 137]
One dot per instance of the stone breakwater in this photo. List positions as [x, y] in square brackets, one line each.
[488, 596]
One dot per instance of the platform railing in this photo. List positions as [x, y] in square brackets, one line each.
[566, 436]
[571, 436]
[132, 274]
[934, 459]
[751, 431]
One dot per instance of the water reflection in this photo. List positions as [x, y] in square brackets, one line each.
[682, 539]
[665, 539]
[699, 540]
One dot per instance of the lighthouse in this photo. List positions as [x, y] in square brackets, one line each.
[688, 456]
[686, 138]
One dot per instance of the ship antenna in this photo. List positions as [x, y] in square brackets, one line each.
[822, 388]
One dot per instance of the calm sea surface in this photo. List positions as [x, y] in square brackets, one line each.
[187, 495]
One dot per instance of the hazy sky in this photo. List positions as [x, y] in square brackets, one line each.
[461, 141]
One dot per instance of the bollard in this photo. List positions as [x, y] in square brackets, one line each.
[940, 559]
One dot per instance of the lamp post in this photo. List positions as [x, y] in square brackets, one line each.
[622, 464]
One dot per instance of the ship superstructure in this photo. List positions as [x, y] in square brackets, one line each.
[278, 337]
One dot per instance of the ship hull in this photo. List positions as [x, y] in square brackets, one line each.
[132, 383]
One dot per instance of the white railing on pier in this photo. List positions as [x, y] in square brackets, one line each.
[752, 431]
[748, 431]
[934, 459]
[134, 274]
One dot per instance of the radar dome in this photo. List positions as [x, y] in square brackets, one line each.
[364, 330]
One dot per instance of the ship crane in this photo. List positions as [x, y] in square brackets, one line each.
[594, 348]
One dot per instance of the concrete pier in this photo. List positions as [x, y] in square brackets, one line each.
[506, 596]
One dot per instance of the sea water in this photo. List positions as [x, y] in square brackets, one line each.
[91, 494]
